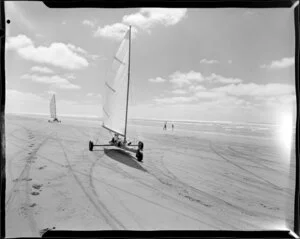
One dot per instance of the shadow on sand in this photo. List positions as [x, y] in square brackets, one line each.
[124, 157]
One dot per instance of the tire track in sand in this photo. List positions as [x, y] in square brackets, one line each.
[92, 185]
[91, 181]
[102, 209]
[274, 186]
[117, 169]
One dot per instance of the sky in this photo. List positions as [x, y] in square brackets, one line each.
[186, 64]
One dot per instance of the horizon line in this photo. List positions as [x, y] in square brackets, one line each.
[149, 119]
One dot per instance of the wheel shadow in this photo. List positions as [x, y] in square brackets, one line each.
[124, 157]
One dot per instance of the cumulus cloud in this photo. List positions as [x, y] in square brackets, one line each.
[115, 31]
[205, 61]
[252, 89]
[18, 42]
[157, 80]
[57, 54]
[280, 64]
[70, 76]
[76, 49]
[55, 80]
[146, 18]
[194, 88]
[180, 79]
[221, 79]
[41, 69]
[88, 23]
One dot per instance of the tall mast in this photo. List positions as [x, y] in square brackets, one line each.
[127, 84]
[54, 106]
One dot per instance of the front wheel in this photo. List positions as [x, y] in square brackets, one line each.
[139, 155]
[91, 146]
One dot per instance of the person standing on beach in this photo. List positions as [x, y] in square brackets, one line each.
[165, 126]
[172, 127]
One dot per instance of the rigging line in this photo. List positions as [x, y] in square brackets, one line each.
[121, 62]
[106, 112]
[110, 87]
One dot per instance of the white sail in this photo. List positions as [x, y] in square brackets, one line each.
[53, 107]
[115, 96]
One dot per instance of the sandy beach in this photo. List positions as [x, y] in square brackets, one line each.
[187, 180]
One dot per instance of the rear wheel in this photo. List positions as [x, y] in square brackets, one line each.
[139, 155]
[91, 146]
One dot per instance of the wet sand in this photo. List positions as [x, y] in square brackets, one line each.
[186, 181]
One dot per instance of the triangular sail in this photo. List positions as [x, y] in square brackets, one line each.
[115, 95]
[53, 107]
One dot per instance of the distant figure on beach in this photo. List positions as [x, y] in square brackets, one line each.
[165, 126]
[172, 127]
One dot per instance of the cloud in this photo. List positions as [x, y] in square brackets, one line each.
[280, 64]
[205, 61]
[221, 79]
[172, 100]
[95, 57]
[194, 88]
[253, 89]
[179, 92]
[57, 54]
[18, 42]
[90, 94]
[55, 80]
[157, 80]
[70, 76]
[41, 69]
[209, 95]
[76, 49]
[115, 31]
[229, 61]
[146, 18]
[180, 79]
[88, 23]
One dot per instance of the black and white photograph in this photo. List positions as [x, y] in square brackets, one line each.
[149, 119]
